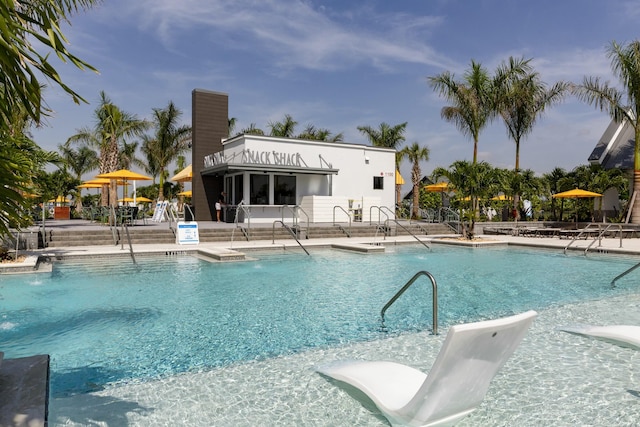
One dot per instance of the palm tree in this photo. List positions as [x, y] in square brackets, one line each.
[80, 162]
[23, 25]
[252, 130]
[314, 134]
[232, 125]
[386, 135]
[470, 180]
[415, 153]
[472, 99]
[148, 161]
[389, 137]
[113, 127]
[169, 140]
[127, 155]
[283, 129]
[521, 98]
[623, 105]
[553, 181]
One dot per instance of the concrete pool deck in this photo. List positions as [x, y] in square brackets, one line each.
[629, 246]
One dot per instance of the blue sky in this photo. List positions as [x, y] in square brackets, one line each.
[343, 64]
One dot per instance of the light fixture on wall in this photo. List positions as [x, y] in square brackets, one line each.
[366, 160]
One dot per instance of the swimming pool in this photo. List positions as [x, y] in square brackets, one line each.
[120, 323]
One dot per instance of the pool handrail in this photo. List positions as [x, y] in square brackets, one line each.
[406, 286]
[348, 232]
[291, 232]
[386, 226]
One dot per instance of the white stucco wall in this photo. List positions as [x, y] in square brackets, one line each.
[357, 166]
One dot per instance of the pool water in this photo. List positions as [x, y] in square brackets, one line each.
[109, 321]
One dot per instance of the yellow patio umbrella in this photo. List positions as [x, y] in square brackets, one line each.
[576, 193]
[187, 193]
[142, 199]
[186, 175]
[500, 198]
[126, 200]
[125, 175]
[59, 199]
[89, 185]
[440, 187]
[399, 178]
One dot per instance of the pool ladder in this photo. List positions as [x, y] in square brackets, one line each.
[405, 287]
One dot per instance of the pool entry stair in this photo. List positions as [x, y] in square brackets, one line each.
[94, 234]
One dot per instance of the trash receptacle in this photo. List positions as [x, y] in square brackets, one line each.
[229, 213]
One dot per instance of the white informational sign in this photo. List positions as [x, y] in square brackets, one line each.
[187, 233]
[158, 213]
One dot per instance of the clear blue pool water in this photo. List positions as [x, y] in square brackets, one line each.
[108, 320]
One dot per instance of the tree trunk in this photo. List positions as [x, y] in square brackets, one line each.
[416, 201]
[635, 209]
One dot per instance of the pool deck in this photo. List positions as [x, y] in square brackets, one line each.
[234, 250]
[629, 245]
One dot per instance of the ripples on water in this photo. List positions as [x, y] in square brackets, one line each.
[118, 321]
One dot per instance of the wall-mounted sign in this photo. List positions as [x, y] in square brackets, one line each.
[256, 157]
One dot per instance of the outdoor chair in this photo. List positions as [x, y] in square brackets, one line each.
[622, 335]
[471, 356]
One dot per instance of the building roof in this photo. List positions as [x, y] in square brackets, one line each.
[614, 150]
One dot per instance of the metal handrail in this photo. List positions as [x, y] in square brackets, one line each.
[125, 227]
[286, 227]
[299, 209]
[294, 215]
[619, 276]
[582, 231]
[379, 212]
[112, 224]
[386, 225]
[405, 287]
[247, 211]
[346, 213]
[602, 233]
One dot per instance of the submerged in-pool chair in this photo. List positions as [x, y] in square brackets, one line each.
[470, 357]
[622, 335]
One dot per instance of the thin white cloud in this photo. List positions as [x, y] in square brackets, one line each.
[293, 33]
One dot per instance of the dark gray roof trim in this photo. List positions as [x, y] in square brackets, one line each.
[619, 155]
[251, 167]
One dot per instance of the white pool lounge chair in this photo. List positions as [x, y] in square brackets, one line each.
[622, 335]
[470, 357]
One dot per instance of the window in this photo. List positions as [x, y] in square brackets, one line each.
[284, 191]
[378, 182]
[238, 189]
[259, 189]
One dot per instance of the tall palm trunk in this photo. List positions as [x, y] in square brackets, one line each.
[635, 209]
[112, 164]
